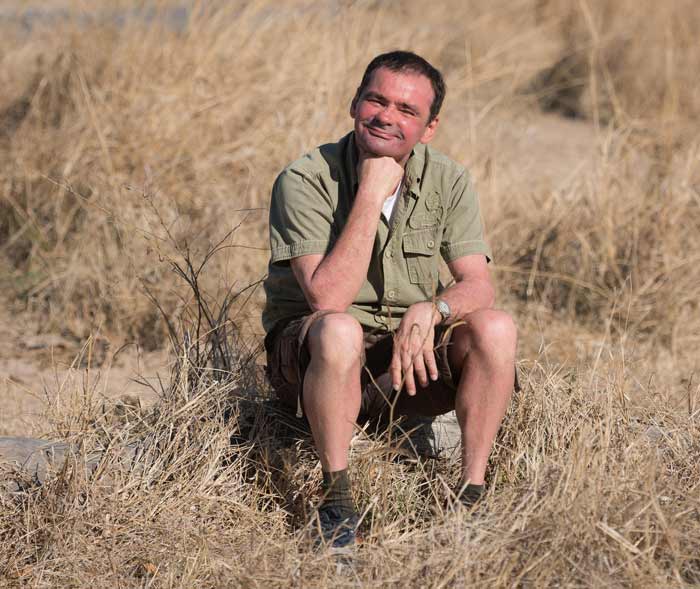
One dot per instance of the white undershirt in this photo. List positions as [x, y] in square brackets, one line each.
[390, 203]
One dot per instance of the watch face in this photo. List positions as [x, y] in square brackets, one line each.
[444, 309]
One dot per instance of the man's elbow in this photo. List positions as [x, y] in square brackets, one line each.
[318, 302]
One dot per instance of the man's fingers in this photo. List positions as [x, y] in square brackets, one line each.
[409, 382]
[395, 367]
[412, 359]
[418, 350]
[431, 363]
[407, 368]
[419, 369]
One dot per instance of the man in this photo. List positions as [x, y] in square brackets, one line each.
[353, 288]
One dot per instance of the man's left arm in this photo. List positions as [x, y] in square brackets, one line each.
[473, 288]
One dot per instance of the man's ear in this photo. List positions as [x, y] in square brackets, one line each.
[430, 130]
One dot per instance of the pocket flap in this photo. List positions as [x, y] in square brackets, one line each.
[421, 221]
[421, 242]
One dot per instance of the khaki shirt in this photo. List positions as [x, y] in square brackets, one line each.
[437, 211]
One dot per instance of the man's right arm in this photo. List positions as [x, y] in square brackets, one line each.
[332, 281]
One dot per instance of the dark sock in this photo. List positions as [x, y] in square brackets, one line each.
[471, 494]
[336, 491]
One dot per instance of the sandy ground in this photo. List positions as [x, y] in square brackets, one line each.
[38, 368]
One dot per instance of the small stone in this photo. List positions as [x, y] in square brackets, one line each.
[35, 457]
[656, 433]
[38, 459]
[44, 341]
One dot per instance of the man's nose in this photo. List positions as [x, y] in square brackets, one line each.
[384, 116]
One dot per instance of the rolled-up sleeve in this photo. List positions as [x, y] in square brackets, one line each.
[301, 216]
[464, 226]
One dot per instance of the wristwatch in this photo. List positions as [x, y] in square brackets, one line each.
[444, 309]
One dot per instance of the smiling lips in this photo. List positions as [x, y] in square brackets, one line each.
[377, 132]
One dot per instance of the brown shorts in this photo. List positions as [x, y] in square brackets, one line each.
[288, 357]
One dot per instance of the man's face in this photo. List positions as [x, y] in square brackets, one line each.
[391, 115]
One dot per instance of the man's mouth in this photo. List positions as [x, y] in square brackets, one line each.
[380, 133]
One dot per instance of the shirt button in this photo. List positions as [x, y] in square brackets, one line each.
[431, 244]
[389, 254]
[391, 294]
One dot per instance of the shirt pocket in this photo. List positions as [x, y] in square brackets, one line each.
[419, 249]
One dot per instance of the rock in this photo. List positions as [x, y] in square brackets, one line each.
[433, 437]
[44, 341]
[39, 459]
[447, 433]
[28, 457]
[656, 433]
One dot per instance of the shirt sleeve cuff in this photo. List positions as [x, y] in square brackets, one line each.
[302, 248]
[465, 248]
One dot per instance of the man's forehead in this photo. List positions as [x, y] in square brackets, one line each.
[384, 78]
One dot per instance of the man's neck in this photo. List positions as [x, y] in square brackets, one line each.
[363, 155]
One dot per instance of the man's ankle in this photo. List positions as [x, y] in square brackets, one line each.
[337, 492]
[469, 494]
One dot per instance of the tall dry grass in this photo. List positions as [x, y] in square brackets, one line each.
[125, 148]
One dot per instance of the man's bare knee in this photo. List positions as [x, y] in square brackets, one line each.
[488, 331]
[337, 339]
[491, 327]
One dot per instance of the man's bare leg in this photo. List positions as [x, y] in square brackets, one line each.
[332, 386]
[485, 350]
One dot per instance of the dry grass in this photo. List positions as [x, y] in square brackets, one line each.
[125, 148]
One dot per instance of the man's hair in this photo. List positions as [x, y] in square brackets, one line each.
[406, 61]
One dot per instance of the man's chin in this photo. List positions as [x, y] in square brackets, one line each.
[378, 148]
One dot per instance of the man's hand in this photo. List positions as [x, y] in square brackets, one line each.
[378, 178]
[413, 347]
